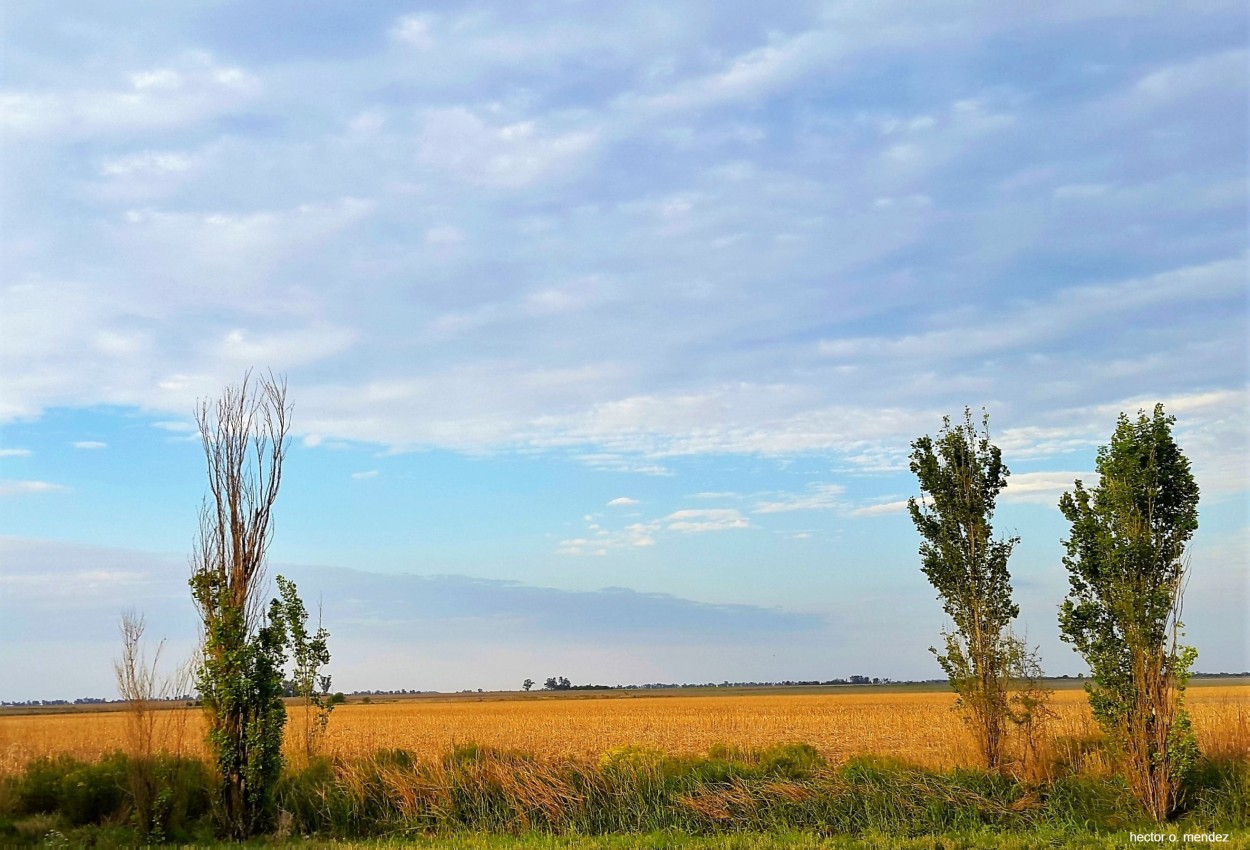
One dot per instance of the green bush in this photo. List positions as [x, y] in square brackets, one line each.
[82, 793]
[94, 793]
[792, 761]
[38, 789]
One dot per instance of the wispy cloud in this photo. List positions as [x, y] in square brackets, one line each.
[21, 488]
[702, 520]
[897, 506]
[1036, 323]
[599, 541]
[157, 98]
[907, 264]
[623, 501]
[15, 453]
[511, 155]
[820, 497]
[89, 444]
[1044, 488]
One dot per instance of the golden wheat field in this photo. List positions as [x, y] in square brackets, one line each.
[920, 727]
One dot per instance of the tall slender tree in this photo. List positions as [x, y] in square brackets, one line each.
[244, 436]
[309, 654]
[1126, 569]
[961, 474]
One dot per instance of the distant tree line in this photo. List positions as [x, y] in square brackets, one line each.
[341, 696]
[562, 683]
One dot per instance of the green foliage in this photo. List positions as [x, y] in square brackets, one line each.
[1219, 794]
[241, 688]
[309, 653]
[240, 684]
[961, 474]
[182, 797]
[481, 793]
[1126, 566]
[82, 793]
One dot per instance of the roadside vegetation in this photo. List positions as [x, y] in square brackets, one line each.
[629, 791]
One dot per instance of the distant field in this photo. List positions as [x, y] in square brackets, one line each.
[911, 722]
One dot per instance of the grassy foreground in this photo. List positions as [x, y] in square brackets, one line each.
[475, 797]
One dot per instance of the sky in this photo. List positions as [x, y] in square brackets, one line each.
[607, 327]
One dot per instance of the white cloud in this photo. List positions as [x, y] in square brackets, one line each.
[512, 155]
[623, 501]
[15, 452]
[149, 163]
[879, 509]
[1061, 315]
[414, 30]
[161, 78]
[156, 99]
[1187, 79]
[237, 251]
[1209, 429]
[89, 444]
[360, 476]
[599, 541]
[177, 427]
[21, 488]
[1043, 488]
[287, 348]
[581, 547]
[908, 202]
[753, 74]
[820, 497]
[368, 122]
[918, 123]
[750, 235]
[700, 520]
[621, 462]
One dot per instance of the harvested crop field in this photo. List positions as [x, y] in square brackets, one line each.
[918, 726]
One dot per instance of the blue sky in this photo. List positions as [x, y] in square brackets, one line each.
[607, 327]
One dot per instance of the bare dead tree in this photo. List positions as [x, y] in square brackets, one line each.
[244, 435]
[138, 684]
[150, 725]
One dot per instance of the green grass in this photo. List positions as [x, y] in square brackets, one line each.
[479, 797]
[1033, 840]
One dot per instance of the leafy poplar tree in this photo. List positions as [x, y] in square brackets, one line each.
[309, 653]
[1126, 568]
[961, 474]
